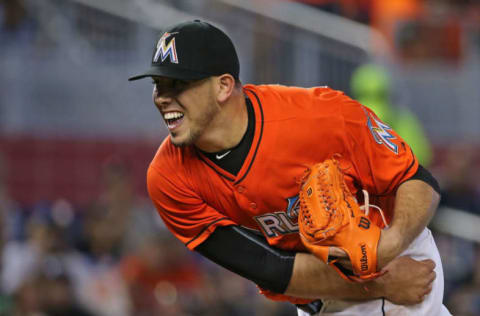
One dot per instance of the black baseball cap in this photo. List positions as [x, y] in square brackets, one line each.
[193, 50]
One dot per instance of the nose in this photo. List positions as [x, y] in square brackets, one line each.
[161, 100]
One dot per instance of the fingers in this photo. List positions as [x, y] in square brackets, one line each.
[423, 295]
[429, 263]
[429, 287]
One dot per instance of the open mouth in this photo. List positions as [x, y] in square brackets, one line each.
[173, 119]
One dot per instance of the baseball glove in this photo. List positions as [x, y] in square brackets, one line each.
[330, 216]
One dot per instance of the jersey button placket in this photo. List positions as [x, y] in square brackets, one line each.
[253, 205]
[241, 189]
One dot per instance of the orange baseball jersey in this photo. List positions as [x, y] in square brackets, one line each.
[294, 129]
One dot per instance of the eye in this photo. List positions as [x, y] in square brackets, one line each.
[179, 84]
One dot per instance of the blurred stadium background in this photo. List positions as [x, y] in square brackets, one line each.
[78, 233]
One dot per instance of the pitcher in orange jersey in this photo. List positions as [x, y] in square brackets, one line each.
[226, 179]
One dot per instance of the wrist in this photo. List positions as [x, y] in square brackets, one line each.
[389, 247]
[376, 288]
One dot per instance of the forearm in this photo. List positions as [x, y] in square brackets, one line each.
[415, 205]
[312, 278]
[306, 276]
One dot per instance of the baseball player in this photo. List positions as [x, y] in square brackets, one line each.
[226, 179]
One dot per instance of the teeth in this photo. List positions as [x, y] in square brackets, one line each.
[172, 115]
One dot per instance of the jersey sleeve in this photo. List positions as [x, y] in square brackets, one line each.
[381, 159]
[184, 213]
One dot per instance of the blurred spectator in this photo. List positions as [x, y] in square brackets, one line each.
[10, 216]
[45, 253]
[119, 219]
[14, 13]
[415, 29]
[46, 294]
[163, 278]
[426, 40]
[371, 86]
[465, 301]
[27, 300]
[237, 297]
[358, 10]
[58, 297]
[102, 289]
[459, 178]
[45, 240]
[114, 226]
[460, 190]
[16, 26]
[9, 226]
[386, 15]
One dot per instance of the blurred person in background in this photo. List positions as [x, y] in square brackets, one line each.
[11, 220]
[45, 241]
[17, 27]
[57, 293]
[114, 228]
[46, 252]
[163, 279]
[13, 14]
[371, 86]
[27, 299]
[10, 229]
[46, 292]
[157, 271]
[231, 295]
[102, 290]
[128, 215]
[459, 177]
[358, 10]
[461, 192]
[210, 177]
[465, 300]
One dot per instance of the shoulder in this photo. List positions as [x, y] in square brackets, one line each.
[296, 95]
[314, 102]
[282, 91]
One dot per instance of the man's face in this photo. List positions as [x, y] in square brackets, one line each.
[187, 107]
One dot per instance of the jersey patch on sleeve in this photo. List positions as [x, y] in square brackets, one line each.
[381, 133]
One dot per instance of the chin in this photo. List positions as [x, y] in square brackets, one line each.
[179, 142]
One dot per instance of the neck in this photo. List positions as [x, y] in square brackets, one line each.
[228, 127]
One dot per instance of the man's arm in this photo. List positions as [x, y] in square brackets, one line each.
[406, 281]
[415, 203]
[303, 275]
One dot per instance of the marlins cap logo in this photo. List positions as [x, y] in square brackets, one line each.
[166, 50]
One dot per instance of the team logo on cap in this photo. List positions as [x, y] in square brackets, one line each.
[166, 50]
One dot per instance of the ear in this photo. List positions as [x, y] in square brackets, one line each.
[225, 87]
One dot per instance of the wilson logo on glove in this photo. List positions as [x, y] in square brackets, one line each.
[364, 259]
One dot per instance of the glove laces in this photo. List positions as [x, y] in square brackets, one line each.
[367, 205]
